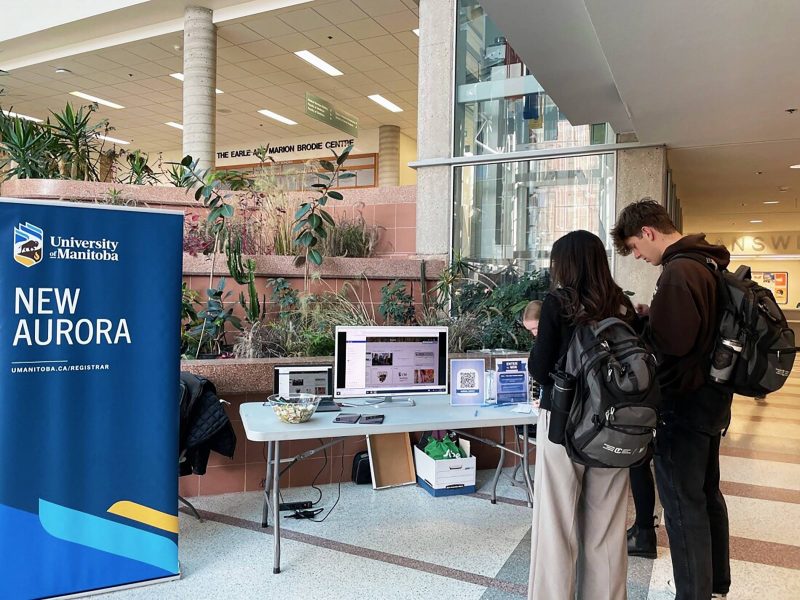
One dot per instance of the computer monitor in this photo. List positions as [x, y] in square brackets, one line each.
[309, 379]
[392, 362]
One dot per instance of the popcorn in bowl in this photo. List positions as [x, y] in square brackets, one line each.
[294, 408]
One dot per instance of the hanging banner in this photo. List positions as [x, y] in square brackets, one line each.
[89, 368]
[324, 111]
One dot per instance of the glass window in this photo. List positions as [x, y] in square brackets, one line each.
[512, 212]
[500, 107]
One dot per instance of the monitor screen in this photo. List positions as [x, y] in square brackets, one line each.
[388, 361]
[309, 379]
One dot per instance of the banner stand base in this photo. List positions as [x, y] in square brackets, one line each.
[117, 588]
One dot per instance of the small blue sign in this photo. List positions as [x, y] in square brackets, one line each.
[467, 381]
[512, 380]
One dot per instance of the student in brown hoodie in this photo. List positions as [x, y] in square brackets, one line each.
[682, 330]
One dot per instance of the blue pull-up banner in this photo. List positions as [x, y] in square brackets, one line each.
[89, 390]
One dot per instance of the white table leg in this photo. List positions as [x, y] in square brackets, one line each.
[525, 472]
[500, 464]
[276, 516]
[267, 487]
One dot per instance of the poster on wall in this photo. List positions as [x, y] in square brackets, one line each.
[776, 282]
[89, 372]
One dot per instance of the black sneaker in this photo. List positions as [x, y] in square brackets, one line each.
[642, 542]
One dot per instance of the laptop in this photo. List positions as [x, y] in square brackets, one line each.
[309, 379]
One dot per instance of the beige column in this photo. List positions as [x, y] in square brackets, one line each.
[437, 22]
[641, 172]
[199, 85]
[388, 155]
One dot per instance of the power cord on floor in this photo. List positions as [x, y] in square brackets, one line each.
[310, 514]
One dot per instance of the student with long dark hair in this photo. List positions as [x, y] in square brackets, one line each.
[578, 539]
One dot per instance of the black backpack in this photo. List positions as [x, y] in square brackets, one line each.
[614, 414]
[748, 313]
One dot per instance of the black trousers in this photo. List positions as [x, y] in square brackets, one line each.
[643, 489]
[687, 474]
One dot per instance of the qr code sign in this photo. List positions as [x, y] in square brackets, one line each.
[467, 379]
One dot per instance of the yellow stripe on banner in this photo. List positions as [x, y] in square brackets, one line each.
[143, 514]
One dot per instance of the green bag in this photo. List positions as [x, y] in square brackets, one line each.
[446, 448]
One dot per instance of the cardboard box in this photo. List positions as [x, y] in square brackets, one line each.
[390, 460]
[454, 475]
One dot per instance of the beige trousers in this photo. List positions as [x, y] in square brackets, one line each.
[578, 541]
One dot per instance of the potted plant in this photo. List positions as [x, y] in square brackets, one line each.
[205, 338]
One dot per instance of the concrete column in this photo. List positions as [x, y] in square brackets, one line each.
[388, 155]
[199, 85]
[641, 172]
[437, 22]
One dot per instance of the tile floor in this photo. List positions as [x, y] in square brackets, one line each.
[401, 543]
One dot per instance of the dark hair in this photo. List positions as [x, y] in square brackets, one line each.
[582, 279]
[644, 213]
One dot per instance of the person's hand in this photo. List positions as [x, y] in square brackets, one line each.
[642, 310]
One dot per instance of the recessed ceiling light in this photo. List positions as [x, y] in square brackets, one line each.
[19, 116]
[174, 124]
[759, 172]
[772, 201]
[112, 140]
[98, 100]
[385, 103]
[179, 77]
[316, 61]
[63, 70]
[756, 221]
[794, 167]
[416, 31]
[277, 117]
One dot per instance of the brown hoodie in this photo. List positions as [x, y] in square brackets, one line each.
[683, 317]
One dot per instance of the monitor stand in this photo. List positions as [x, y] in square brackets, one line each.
[397, 401]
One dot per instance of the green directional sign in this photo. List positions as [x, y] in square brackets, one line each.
[324, 111]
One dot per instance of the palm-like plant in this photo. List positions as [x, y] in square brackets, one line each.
[29, 149]
[79, 144]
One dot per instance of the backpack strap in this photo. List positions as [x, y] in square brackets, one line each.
[723, 293]
[601, 326]
[703, 260]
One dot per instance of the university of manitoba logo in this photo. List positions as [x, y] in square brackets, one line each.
[28, 244]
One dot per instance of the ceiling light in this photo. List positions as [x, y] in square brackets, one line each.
[63, 70]
[759, 172]
[416, 31]
[756, 221]
[276, 116]
[98, 100]
[179, 77]
[19, 116]
[174, 124]
[794, 167]
[385, 103]
[112, 140]
[316, 61]
[772, 201]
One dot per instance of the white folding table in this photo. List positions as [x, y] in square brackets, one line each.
[430, 413]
